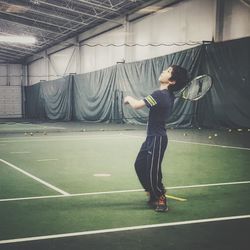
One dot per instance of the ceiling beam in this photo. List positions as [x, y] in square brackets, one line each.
[98, 6]
[76, 11]
[37, 21]
[29, 26]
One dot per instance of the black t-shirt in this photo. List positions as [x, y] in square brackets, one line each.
[160, 104]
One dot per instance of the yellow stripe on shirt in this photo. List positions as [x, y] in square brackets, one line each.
[151, 100]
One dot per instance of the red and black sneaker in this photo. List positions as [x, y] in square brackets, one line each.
[161, 204]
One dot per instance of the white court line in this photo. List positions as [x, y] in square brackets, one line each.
[35, 178]
[195, 143]
[122, 229]
[115, 136]
[211, 184]
[47, 160]
[60, 138]
[20, 152]
[211, 145]
[123, 191]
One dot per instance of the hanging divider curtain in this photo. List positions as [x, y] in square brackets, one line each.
[34, 104]
[57, 96]
[50, 100]
[98, 96]
[94, 96]
[228, 102]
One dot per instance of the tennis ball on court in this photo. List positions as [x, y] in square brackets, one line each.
[199, 128]
[239, 129]
[209, 137]
[25, 134]
[229, 130]
[248, 129]
[185, 134]
[31, 134]
[215, 135]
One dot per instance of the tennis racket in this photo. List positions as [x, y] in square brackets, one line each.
[196, 88]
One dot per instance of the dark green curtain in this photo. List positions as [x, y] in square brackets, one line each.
[57, 96]
[140, 79]
[34, 105]
[228, 102]
[50, 100]
[98, 96]
[94, 96]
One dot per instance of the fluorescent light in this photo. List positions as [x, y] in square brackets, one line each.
[156, 9]
[149, 9]
[18, 39]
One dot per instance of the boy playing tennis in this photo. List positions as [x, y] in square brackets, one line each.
[149, 158]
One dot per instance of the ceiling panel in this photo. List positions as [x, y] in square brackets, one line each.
[54, 21]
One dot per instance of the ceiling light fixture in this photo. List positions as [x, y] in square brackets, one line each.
[18, 39]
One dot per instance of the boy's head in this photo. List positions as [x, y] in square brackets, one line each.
[175, 76]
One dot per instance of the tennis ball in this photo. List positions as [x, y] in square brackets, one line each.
[209, 137]
[185, 134]
[31, 134]
[25, 134]
[248, 129]
[215, 135]
[239, 129]
[229, 130]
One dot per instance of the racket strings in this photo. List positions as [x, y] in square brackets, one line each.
[197, 88]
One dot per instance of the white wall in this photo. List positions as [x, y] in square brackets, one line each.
[10, 102]
[236, 20]
[10, 74]
[185, 22]
[62, 63]
[37, 71]
[182, 23]
[99, 57]
[53, 66]
[10, 90]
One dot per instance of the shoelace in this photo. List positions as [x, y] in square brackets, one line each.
[162, 200]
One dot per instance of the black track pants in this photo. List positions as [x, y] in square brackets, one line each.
[148, 164]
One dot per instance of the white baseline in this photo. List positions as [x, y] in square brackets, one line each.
[122, 191]
[121, 229]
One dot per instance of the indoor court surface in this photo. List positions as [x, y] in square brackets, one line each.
[62, 190]
[89, 89]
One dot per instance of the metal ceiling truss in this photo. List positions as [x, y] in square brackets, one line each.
[54, 21]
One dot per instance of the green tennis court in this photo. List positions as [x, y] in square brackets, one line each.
[78, 190]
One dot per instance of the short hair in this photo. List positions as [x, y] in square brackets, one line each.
[180, 76]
